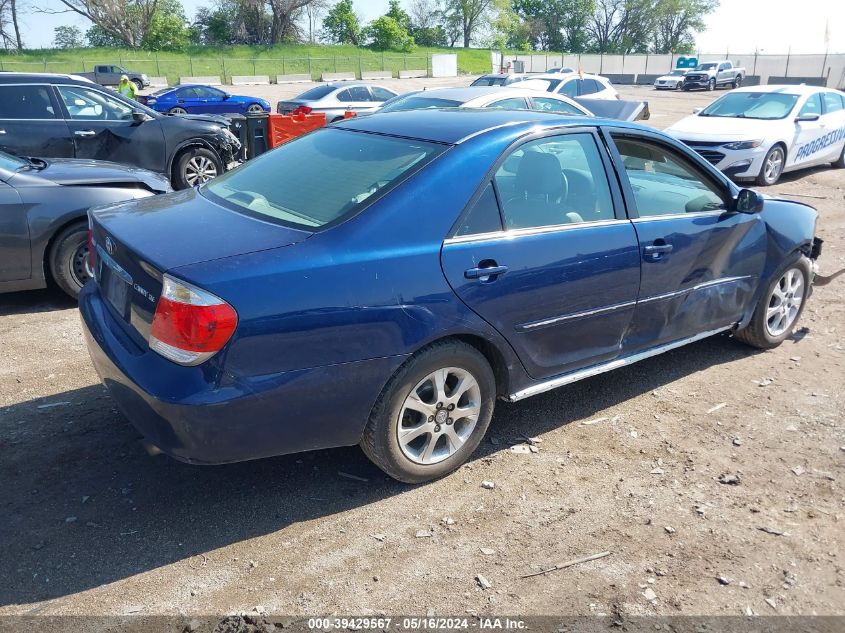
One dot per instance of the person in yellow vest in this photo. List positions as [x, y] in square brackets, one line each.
[126, 87]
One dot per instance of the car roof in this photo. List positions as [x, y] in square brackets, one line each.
[455, 125]
[800, 89]
[7, 77]
[468, 93]
[566, 76]
[352, 82]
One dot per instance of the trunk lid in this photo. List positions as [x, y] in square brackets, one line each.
[286, 107]
[137, 242]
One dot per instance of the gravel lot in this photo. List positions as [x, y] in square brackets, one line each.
[628, 463]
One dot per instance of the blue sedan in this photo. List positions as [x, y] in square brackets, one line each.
[452, 258]
[196, 99]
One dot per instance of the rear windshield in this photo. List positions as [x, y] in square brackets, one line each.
[318, 92]
[488, 81]
[321, 178]
[419, 103]
[752, 105]
[163, 91]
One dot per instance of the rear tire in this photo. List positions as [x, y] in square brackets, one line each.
[432, 414]
[195, 166]
[737, 82]
[711, 85]
[68, 259]
[177, 110]
[254, 108]
[781, 305]
[839, 163]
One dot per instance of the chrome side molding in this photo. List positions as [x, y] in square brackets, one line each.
[616, 363]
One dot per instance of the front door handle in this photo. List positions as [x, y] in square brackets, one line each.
[656, 251]
[85, 132]
[485, 272]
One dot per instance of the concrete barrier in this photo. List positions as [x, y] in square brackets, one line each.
[376, 74]
[412, 74]
[751, 80]
[337, 77]
[293, 79]
[647, 79]
[623, 79]
[250, 80]
[208, 81]
[794, 81]
[158, 82]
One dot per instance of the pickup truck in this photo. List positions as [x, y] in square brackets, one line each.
[711, 75]
[109, 75]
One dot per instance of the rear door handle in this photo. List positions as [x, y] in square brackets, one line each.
[85, 132]
[485, 272]
[655, 252]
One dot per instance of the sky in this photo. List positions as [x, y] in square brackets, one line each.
[738, 26]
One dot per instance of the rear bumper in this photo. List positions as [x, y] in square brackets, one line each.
[200, 415]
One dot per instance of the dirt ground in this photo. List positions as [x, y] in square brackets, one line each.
[628, 463]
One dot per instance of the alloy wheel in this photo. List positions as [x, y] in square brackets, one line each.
[178, 111]
[439, 415]
[199, 170]
[255, 109]
[785, 302]
[773, 165]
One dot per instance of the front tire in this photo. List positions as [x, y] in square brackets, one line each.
[68, 259]
[432, 414]
[780, 307]
[839, 163]
[196, 166]
[772, 166]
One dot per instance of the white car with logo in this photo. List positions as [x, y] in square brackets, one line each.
[764, 131]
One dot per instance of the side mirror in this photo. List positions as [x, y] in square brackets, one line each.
[226, 95]
[140, 117]
[749, 201]
[696, 110]
[806, 117]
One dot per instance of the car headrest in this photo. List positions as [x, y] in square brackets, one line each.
[539, 174]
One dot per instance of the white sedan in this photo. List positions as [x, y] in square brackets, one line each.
[508, 98]
[670, 81]
[763, 131]
[573, 85]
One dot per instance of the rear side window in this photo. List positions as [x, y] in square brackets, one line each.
[483, 216]
[570, 88]
[547, 104]
[508, 104]
[26, 102]
[361, 166]
[381, 94]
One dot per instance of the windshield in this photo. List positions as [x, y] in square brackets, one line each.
[706, 66]
[419, 103]
[676, 73]
[752, 105]
[348, 169]
[317, 92]
[11, 163]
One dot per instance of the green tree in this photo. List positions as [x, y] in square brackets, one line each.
[68, 37]
[561, 25]
[341, 26]
[168, 28]
[622, 26]
[396, 12]
[675, 22]
[467, 17]
[426, 27]
[98, 37]
[386, 33]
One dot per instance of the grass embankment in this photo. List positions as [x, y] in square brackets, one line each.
[242, 60]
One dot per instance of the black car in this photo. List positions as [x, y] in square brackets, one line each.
[43, 216]
[62, 116]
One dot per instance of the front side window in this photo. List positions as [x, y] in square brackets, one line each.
[664, 183]
[90, 105]
[381, 94]
[570, 88]
[813, 105]
[553, 181]
[359, 93]
[26, 102]
[204, 92]
[547, 104]
[588, 87]
[362, 167]
[516, 103]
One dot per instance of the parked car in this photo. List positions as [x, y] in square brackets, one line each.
[44, 222]
[561, 69]
[58, 116]
[499, 79]
[673, 80]
[583, 85]
[763, 131]
[458, 257]
[109, 75]
[335, 99]
[197, 99]
[515, 97]
[711, 75]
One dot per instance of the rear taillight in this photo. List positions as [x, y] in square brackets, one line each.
[302, 110]
[190, 325]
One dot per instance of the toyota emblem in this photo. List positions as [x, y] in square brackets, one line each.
[109, 246]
